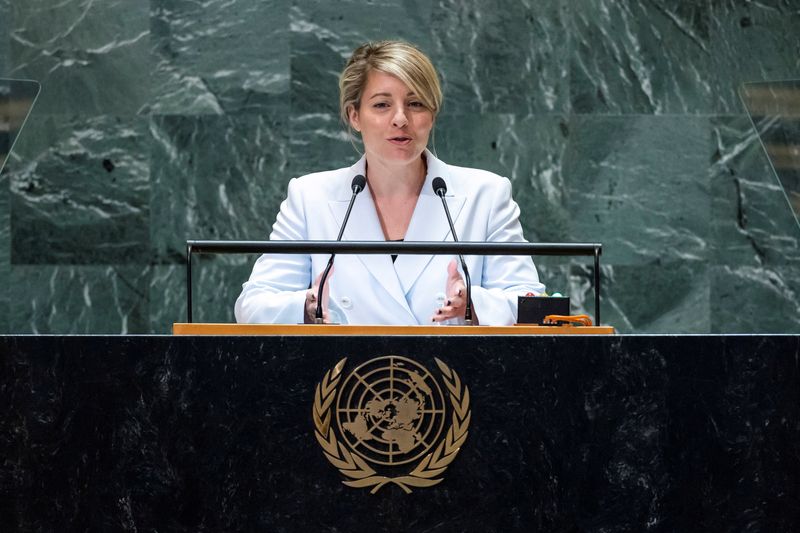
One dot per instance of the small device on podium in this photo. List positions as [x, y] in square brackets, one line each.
[533, 309]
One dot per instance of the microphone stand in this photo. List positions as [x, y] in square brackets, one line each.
[358, 185]
[440, 191]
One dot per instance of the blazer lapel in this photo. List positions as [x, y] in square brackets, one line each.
[428, 223]
[365, 226]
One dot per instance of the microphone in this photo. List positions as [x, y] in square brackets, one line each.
[440, 188]
[357, 185]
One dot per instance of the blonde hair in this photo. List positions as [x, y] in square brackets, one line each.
[397, 58]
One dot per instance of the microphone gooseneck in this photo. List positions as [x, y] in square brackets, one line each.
[357, 185]
[440, 188]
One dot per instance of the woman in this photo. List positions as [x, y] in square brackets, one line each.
[390, 95]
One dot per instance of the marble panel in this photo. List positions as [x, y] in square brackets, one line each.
[721, 412]
[220, 56]
[215, 177]
[640, 57]
[527, 150]
[5, 279]
[5, 247]
[658, 433]
[512, 72]
[90, 57]
[554, 272]
[216, 284]
[639, 185]
[751, 41]
[5, 41]
[5, 234]
[746, 299]
[318, 142]
[78, 299]
[774, 108]
[80, 193]
[5, 121]
[753, 224]
[672, 297]
[507, 58]
[755, 279]
[324, 35]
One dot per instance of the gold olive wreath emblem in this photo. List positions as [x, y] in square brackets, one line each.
[390, 412]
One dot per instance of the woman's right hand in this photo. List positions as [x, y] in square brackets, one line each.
[311, 300]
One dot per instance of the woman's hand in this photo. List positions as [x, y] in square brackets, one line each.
[310, 313]
[456, 290]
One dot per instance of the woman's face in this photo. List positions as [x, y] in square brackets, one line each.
[393, 121]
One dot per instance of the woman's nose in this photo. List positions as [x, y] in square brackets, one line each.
[399, 120]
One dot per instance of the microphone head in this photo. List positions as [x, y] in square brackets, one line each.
[358, 183]
[439, 186]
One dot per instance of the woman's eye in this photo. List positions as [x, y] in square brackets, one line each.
[416, 104]
[381, 105]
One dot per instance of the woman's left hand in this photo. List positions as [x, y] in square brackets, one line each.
[456, 290]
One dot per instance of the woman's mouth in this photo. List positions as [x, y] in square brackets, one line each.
[401, 140]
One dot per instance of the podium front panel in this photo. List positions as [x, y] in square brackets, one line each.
[558, 433]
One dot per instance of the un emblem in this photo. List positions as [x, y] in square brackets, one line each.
[387, 414]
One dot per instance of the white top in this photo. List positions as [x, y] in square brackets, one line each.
[371, 289]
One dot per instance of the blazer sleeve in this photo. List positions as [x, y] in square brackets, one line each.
[276, 290]
[494, 296]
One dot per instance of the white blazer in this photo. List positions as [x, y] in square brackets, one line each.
[370, 289]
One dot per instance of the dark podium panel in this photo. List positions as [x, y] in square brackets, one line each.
[570, 433]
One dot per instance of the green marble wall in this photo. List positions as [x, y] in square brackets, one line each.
[618, 121]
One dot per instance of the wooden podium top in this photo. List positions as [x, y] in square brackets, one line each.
[349, 330]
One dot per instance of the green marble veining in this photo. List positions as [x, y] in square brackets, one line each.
[80, 192]
[640, 186]
[17, 98]
[5, 42]
[215, 177]
[528, 151]
[319, 142]
[171, 119]
[509, 58]
[90, 57]
[778, 131]
[325, 33]
[219, 57]
[752, 224]
[755, 243]
[5, 246]
[5, 145]
[216, 283]
[748, 298]
[78, 299]
[677, 296]
[752, 41]
[640, 57]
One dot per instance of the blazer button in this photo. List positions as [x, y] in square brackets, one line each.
[440, 299]
[346, 302]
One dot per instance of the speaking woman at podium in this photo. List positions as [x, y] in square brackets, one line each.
[390, 96]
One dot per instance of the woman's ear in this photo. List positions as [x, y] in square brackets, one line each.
[352, 113]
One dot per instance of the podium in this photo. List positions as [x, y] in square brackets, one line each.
[221, 432]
